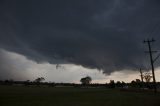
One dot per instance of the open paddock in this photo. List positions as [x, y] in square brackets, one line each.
[70, 96]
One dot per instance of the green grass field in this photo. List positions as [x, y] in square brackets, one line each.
[48, 96]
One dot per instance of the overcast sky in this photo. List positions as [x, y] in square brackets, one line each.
[100, 38]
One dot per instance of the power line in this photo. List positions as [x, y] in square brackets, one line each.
[152, 61]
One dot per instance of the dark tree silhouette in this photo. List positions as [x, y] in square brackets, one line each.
[112, 84]
[86, 80]
[39, 79]
[119, 84]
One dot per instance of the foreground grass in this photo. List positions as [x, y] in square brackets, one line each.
[48, 96]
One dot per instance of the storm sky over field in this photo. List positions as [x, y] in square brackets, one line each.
[64, 40]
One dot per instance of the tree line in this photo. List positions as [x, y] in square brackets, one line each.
[85, 82]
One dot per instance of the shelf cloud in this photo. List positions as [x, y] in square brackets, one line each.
[97, 34]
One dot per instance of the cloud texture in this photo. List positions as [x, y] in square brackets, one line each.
[97, 34]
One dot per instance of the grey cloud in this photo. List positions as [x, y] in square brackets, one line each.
[106, 35]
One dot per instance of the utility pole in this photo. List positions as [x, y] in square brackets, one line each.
[152, 61]
[141, 75]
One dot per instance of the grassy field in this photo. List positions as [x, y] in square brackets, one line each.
[48, 96]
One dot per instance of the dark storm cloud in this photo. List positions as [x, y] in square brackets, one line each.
[102, 34]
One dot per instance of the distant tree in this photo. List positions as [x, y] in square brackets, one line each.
[39, 79]
[9, 82]
[27, 82]
[112, 84]
[133, 83]
[138, 80]
[124, 84]
[119, 84]
[147, 77]
[86, 80]
[138, 83]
